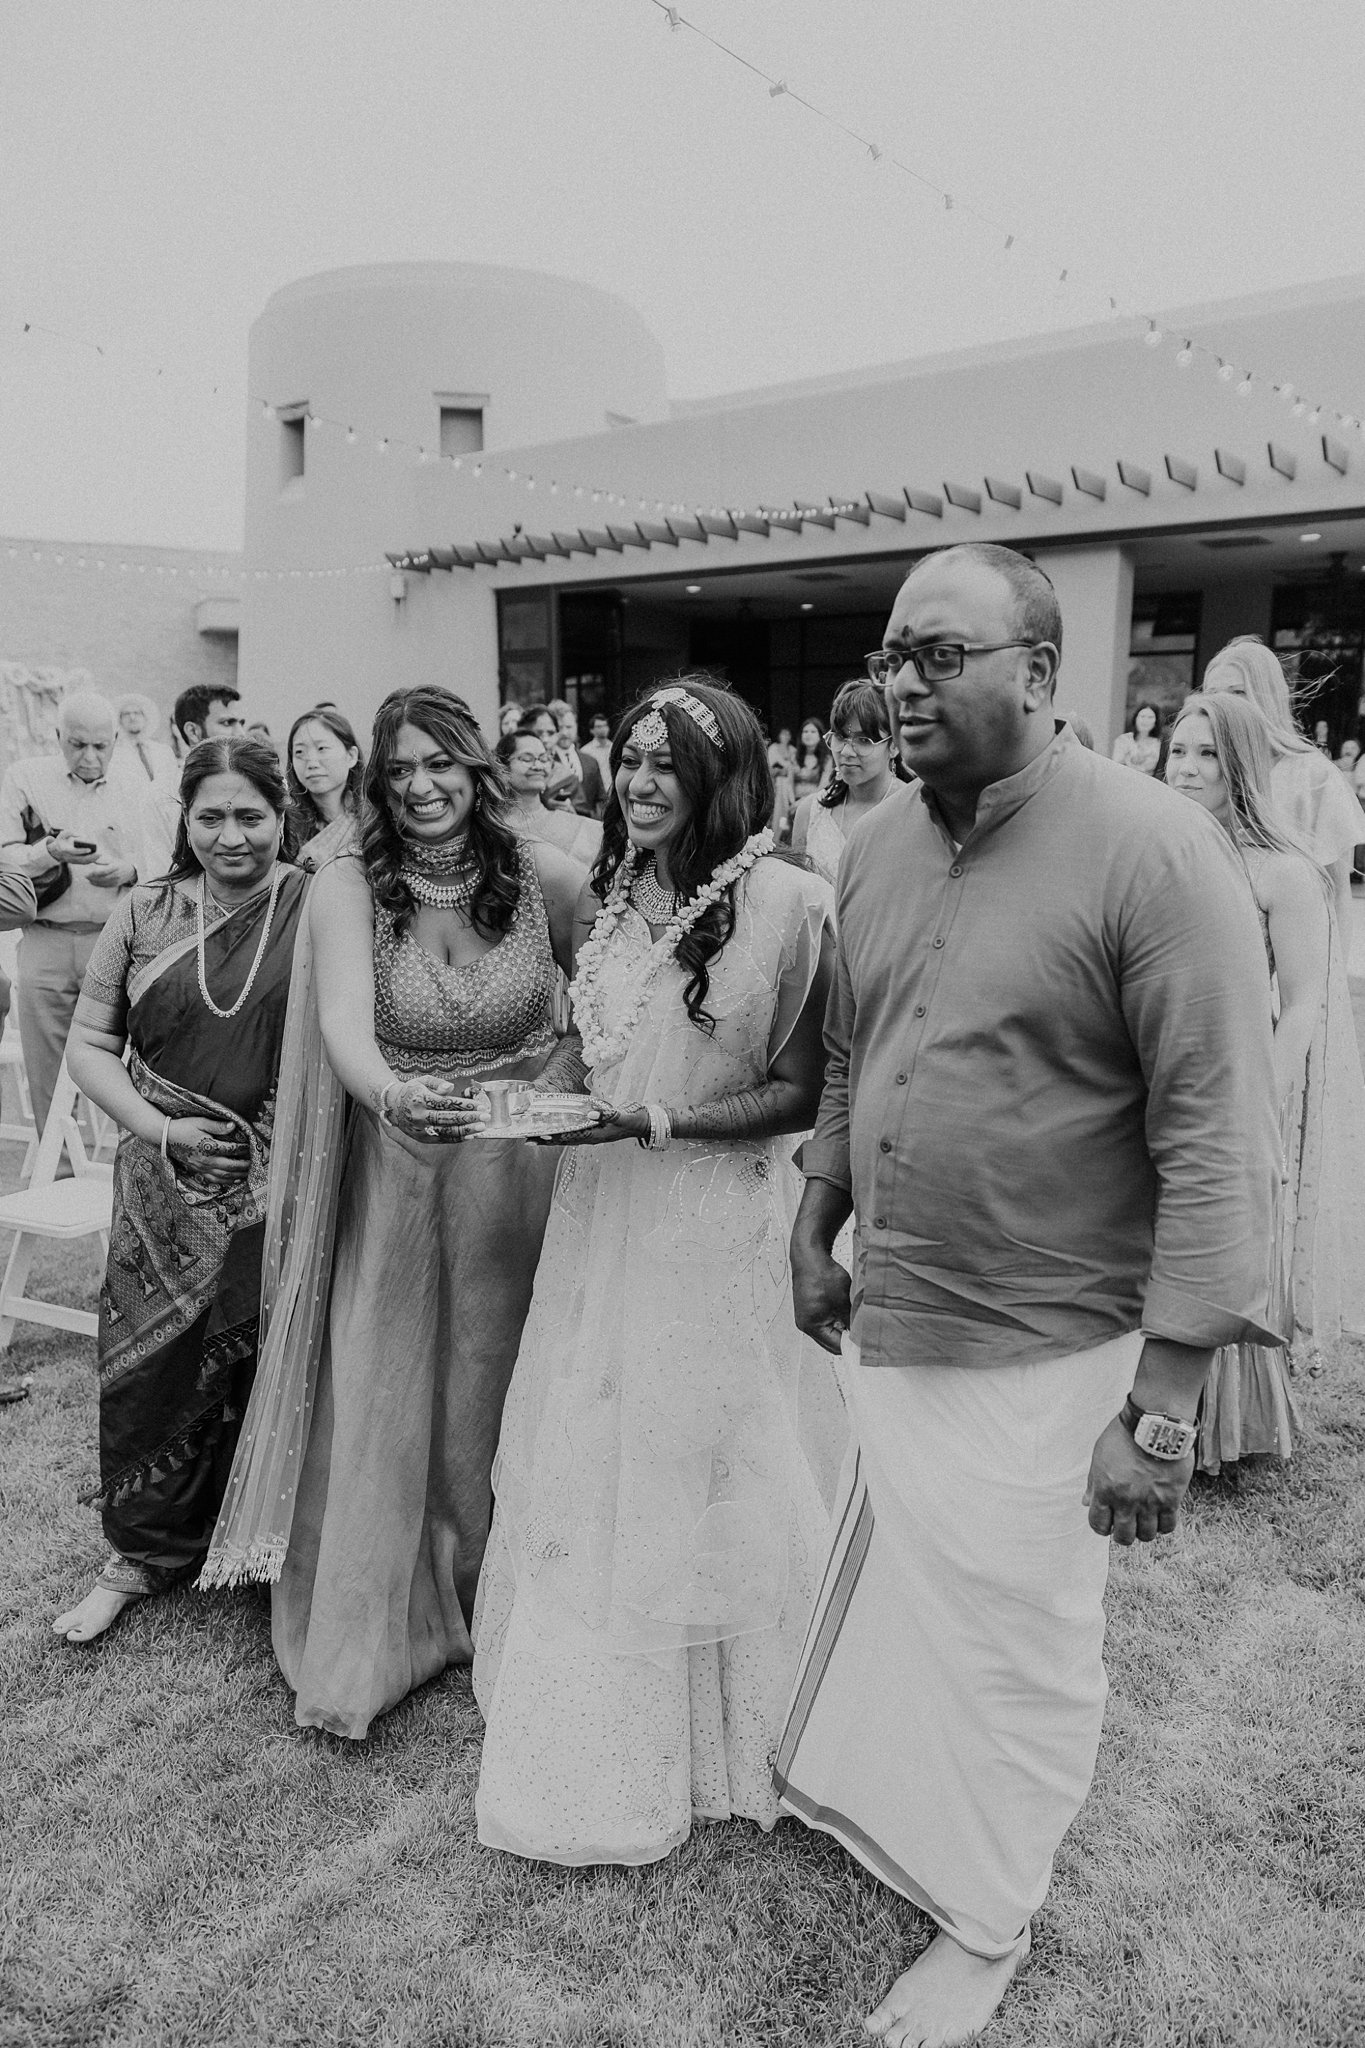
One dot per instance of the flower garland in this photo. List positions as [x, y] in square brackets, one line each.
[603, 1045]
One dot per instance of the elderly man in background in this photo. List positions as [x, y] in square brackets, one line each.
[1050, 1103]
[79, 837]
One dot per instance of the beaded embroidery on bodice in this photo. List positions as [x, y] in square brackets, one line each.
[431, 1018]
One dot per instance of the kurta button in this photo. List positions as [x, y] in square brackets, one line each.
[919, 1009]
[901, 1080]
[937, 944]
[886, 1145]
[955, 871]
[879, 1222]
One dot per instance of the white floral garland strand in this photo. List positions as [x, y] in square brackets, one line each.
[600, 1045]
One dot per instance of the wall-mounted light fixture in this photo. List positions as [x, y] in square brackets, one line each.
[398, 586]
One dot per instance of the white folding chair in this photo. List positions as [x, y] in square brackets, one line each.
[49, 1208]
[22, 1130]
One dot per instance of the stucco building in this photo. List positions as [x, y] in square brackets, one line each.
[94, 615]
[552, 525]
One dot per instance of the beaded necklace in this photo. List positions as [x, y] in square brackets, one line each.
[444, 876]
[648, 895]
[260, 950]
[603, 1044]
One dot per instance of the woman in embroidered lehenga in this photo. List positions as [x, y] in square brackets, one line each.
[668, 1436]
[867, 768]
[1220, 757]
[433, 958]
[191, 976]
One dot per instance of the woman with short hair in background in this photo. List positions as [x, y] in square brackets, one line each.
[325, 771]
[867, 767]
[526, 764]
[189, 979]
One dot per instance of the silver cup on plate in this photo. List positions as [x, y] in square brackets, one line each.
[502, 1103]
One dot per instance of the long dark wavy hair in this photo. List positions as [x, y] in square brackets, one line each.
[859, 706]
[232, 754]
[730, 792]
[493, 843]
[306, 816]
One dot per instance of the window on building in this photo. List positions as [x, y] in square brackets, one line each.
[526, 647]
[1318, 631]
[1161, 651]
[461, 421]
[293, 432]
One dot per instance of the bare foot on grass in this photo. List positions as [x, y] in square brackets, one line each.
[93, 1615]
[946, 1996]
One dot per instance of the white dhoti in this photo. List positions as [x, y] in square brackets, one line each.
[947, 1708]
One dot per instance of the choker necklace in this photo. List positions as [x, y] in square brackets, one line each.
[655, 904]
[446, 857]
[260, 950]
[444, 876]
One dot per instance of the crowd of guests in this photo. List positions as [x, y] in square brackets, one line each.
[695, 1481]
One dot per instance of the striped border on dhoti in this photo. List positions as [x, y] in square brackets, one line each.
[848, 1554]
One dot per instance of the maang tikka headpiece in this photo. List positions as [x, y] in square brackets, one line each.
[650, 733]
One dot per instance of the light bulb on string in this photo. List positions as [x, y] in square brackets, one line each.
[268, 411]
[1315, 416]
[314, 421]
[1244, 388]
[1154, 336]
[1226, 371]
[1299, 408]
[1184, 356]
[381, 446]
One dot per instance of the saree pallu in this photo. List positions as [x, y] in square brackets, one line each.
[180, 1304]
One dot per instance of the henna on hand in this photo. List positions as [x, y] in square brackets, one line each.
[750, 1113]
[566, 1071]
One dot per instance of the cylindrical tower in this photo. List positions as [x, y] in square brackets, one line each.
[448, 357]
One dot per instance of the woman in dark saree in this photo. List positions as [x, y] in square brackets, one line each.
[191, 975]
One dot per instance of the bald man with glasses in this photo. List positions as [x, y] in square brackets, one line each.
[78, 834]
[1049, 1105]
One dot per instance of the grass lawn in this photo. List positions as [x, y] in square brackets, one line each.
[179, 1864]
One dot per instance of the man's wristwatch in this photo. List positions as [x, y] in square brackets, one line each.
[1168, 1437]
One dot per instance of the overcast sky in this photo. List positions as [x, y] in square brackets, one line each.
[165, 166]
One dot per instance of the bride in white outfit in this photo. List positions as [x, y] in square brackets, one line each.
[669, 1440]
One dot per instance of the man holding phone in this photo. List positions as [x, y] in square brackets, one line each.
[79, 838]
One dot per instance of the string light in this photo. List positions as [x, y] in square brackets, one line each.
[779, 88]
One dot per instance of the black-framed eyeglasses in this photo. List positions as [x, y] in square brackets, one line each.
[937, 661]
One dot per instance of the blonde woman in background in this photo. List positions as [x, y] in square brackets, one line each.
[1221, 757]
[1308, 796]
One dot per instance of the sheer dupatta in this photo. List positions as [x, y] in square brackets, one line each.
[306, 1157]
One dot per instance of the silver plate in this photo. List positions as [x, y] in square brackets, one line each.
[543, 1116]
